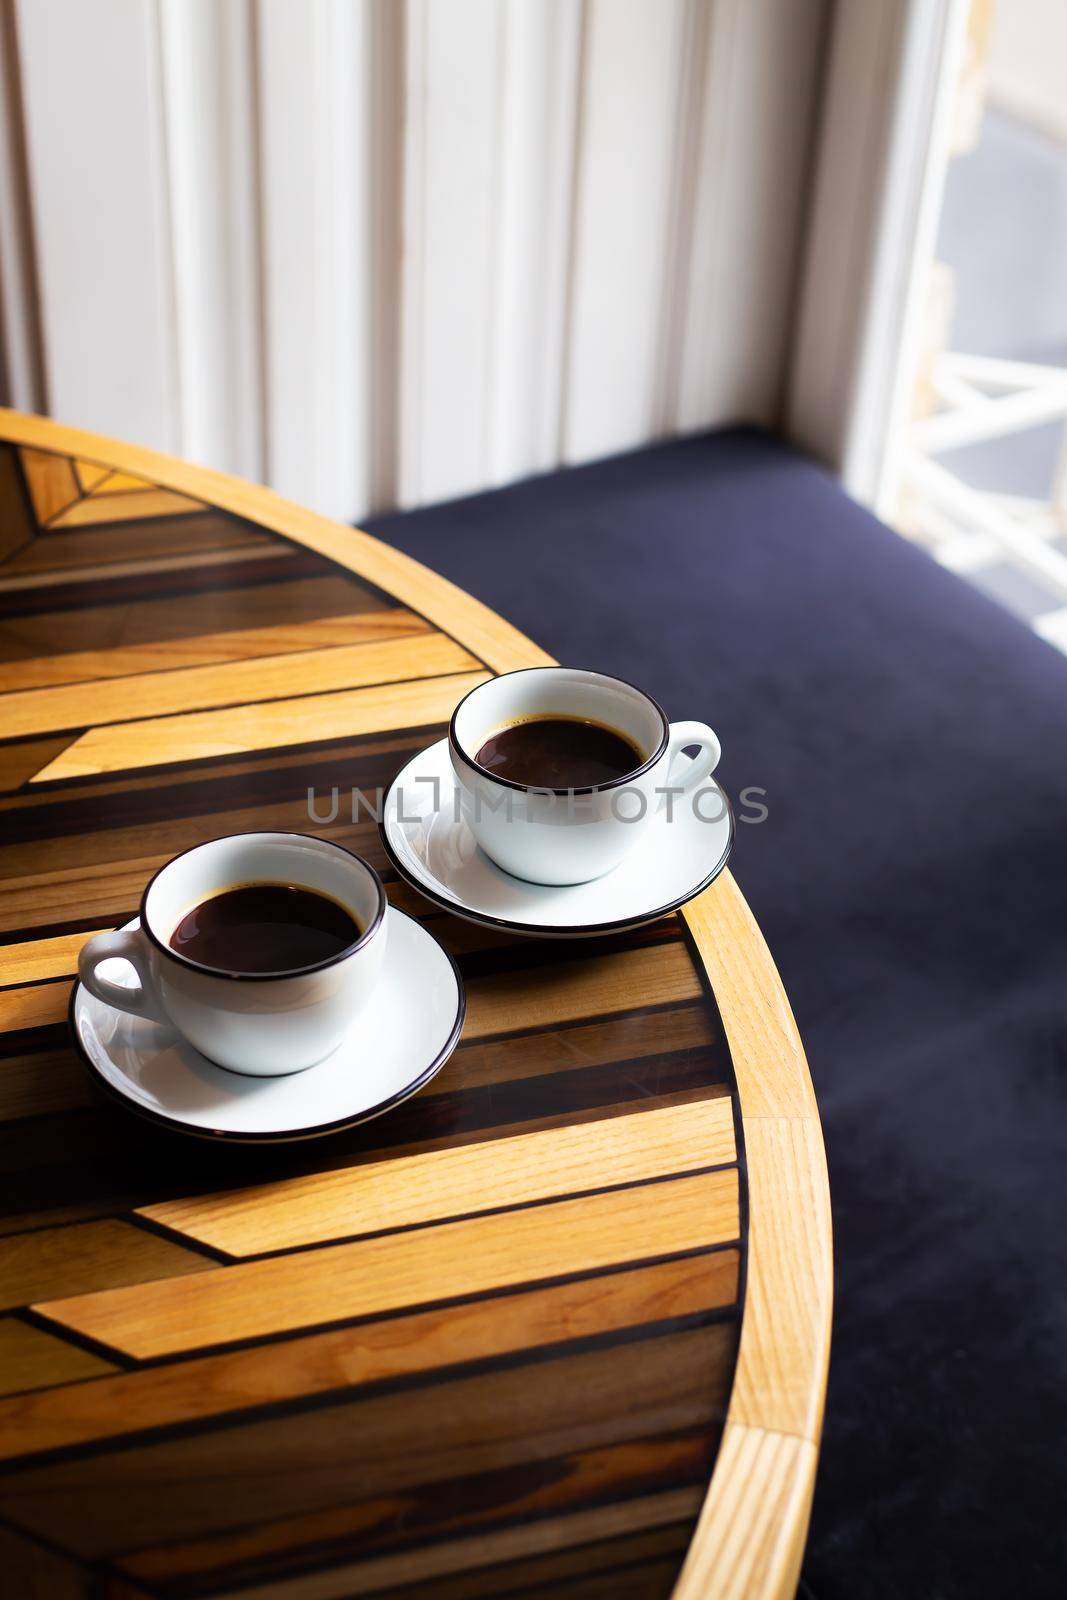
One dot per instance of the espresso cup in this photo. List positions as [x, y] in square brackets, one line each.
[561, 836]
[265, 1023]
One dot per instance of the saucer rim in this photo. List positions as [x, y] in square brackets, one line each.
[319, 1130]
[547, 930]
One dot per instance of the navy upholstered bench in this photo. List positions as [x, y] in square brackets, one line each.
[911, 878]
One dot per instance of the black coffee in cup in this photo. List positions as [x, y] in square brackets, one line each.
[265, 927]
[559, 753]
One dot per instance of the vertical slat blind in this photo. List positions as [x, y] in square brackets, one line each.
[381, 252]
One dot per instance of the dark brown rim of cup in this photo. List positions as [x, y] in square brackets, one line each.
[539, 788]
[287, 972]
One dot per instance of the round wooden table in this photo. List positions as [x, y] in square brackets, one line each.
[557, 1326]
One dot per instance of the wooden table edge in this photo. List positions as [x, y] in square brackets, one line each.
[749, 1540]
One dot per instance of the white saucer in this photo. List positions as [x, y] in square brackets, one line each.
[396, 1045]
[437, 854]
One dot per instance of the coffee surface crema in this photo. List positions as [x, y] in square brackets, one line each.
[559, 753]
[265, 927]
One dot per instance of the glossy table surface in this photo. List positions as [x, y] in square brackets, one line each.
[558, 1325]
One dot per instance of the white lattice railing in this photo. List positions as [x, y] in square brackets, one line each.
[983, 398]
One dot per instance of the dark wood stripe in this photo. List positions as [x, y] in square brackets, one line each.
[105, 803]
[518, 1496]
[34, 1359]
[289, 1466]
[635, 1566]
[174, 582]
[17, 526]
[33, 1572]
[105, 1161]
[47, 1085]
[172, 621]
[104, 545]
[20, 759]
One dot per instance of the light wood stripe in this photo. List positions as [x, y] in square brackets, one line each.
[91, 475]
[159, 694]
[110, 504]
[220, 1385]
[93, 1255]
[30, 1358]
[33, 959]
[447, 1183]
[201, 650]
[35, 1007]
[522, 1543]
[371, 1276]
[51, 482]
[124, 483]
[538, 997]
[204, 734]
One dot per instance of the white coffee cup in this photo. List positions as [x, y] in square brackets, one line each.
[560, 836]
[266, 1023]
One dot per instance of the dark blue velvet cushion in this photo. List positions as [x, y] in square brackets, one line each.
[912, 882]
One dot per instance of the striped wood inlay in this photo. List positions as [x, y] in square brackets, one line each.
[449, 1183]
[123, 506]
[84, 556]
[209, 649]
[453, 1259]
[344, 1358]
[90, 474]
[71, 493]
[500, 1004]
[534, 1422]
[274, 677]
[258, 727]
[514, 1553]
[98, 1255]
[484, 1345]
[657, 1527]
[164, 622]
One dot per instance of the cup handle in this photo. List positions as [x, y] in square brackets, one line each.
[700, 766]
[127, 944]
